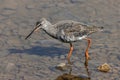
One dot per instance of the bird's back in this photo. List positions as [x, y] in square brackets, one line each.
[68, 30]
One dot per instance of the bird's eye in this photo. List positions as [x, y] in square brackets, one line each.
[102, 27]
[37, 23]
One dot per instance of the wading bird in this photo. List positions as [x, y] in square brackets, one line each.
[68, 31]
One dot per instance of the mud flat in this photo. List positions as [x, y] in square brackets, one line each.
[36, 58]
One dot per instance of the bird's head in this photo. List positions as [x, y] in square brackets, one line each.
[95, 28]
[100, 28]
[43, 23]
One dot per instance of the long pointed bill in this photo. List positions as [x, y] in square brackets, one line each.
[35, 29]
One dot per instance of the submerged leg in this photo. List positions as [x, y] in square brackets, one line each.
[86, 52]
[87, 69]
[70, 53]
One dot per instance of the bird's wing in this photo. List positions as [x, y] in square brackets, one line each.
[71, 30]
[76, 29]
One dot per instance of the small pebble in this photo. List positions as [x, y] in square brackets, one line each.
[104, 67]
[63, 66]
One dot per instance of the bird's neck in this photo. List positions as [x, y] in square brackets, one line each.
[50, 30]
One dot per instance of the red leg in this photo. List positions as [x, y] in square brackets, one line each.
[86, 52]
[70, 53]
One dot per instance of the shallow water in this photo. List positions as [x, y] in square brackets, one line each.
[36, 58]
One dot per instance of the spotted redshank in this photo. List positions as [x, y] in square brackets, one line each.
[68, 31]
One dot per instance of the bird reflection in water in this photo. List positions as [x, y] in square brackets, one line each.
[70, 76]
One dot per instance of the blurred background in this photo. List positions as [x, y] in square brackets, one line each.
[36, 58]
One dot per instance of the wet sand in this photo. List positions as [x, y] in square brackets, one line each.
[36, 58]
